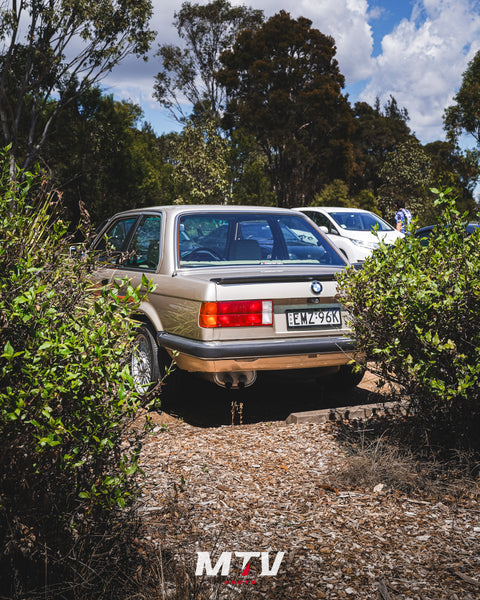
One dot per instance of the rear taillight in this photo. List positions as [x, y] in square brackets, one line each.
[239, 313]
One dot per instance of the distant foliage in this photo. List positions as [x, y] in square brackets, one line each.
[378, 131]
[188, 72]
[44, 68]
[334, 194]
[200, 163]
[464, 115]
[68, 468]
[99, 157]
[415, 311]
[406, 175]
[367, 201]
[456, 169]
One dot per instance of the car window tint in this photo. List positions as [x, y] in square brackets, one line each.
[144, 249]
[112, 242]
[305, 244]
[202, 235]
[116, 235]
[425, 238]
[321, 220]
[369, 221]
[239, 239]
[357, 221]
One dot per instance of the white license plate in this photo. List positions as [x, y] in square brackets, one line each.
[319, 317]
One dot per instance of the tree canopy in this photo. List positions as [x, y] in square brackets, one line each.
[377, 132]
[187, 75]
[200, 163]
[406, 175]
[265, 118]
[456, 170]
[284, 88]
[464, 115]
[52, 50]
[100, 155]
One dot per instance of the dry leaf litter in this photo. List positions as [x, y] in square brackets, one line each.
[266, 487]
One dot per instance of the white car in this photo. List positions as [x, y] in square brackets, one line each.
[354, 231]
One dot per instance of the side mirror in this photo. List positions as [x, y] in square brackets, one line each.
[323, 229]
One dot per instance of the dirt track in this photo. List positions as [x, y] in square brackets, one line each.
[265, 486]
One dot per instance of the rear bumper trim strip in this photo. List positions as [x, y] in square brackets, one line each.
[282, 347]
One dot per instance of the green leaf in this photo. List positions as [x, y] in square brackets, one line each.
[8, 351]
[45, 345]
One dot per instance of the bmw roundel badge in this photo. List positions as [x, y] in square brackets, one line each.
[316, 287]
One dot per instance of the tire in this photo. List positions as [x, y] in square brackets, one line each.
[144, 364]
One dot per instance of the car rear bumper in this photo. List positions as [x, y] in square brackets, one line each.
[215, 357]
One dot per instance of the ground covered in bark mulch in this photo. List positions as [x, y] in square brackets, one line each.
[272, 487]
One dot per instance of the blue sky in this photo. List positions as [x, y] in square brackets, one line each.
[415, 50]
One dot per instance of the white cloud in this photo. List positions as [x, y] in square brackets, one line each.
[423, 59]
[345, 20]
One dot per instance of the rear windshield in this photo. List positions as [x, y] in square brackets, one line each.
[249, 239]
[357, 221]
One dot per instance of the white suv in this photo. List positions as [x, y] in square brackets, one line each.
[355, 232]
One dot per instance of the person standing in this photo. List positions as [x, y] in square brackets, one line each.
[402, 217]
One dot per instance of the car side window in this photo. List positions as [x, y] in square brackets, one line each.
[321, 220]
[144, 249]
[424, 238]
[112, 242]
[203, 237]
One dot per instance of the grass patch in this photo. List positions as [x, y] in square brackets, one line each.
[392, 452]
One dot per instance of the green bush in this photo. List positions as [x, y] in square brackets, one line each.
[415, 311]
[334, 194]
[68, 459]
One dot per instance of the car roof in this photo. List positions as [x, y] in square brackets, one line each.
[425, 228]
[469, 227]
[472, 226]
[199, 208]
[333, 209]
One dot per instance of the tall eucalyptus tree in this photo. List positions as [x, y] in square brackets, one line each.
[186, 78]
[51, 51]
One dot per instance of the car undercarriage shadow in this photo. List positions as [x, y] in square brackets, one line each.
[273, 397]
